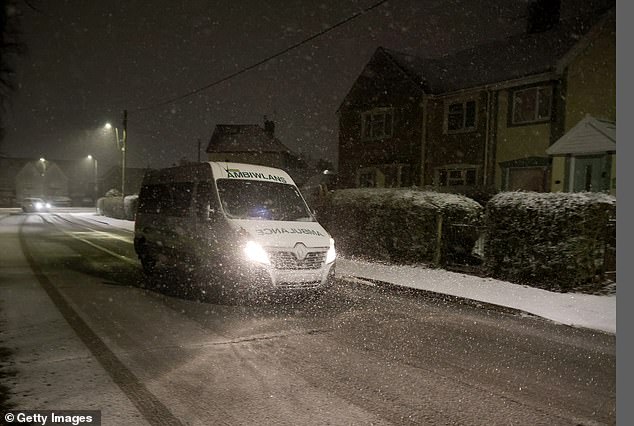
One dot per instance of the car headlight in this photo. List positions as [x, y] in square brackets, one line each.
[48, 205]
[38, 205]
[256, 253]
[332, 254]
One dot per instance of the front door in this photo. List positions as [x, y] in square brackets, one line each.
[590, 173]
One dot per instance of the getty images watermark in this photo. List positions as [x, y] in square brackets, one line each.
[53, 417]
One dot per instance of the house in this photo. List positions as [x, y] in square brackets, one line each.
[251, 143]
[585, 157]
[41, 178]
[64, 182]
[479, 120]
[9, 168]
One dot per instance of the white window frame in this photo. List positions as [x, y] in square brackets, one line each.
[536, 117]
[370, 124]
[463, 103]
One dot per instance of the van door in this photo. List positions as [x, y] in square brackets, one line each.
[177, 230]
[210, 225]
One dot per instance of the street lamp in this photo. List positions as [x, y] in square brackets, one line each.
[96, 176]
[121, 144]
[43, 163]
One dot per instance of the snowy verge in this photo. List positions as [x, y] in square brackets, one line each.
[580, 310]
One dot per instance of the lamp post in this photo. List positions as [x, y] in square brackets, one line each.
[43, 163]
[96, 177]
[122, 145]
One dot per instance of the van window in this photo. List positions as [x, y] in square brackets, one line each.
[252, 199]
[152, 198]
[180, 202]
[172, 200]
[205, 201]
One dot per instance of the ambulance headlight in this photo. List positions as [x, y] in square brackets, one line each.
[332, 254]
[255, 253]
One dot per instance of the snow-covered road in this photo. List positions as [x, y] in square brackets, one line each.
[80, 329]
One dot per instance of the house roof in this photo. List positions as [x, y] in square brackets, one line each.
[515, 57]
[589, 136]
[243, 138]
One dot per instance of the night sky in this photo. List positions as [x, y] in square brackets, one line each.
[87, 61]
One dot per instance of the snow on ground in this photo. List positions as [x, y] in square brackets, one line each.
[583, 310]
[575, 309]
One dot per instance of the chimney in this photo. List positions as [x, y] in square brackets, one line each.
[543, 15]
[269, 127]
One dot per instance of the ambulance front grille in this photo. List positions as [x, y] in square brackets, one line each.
[287, 260]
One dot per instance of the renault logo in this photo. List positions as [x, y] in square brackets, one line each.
[300, 251]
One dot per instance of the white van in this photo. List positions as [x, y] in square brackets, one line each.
[238, 226]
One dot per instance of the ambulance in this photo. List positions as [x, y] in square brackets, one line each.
[240, 228]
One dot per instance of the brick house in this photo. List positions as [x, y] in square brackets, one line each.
[479, 120]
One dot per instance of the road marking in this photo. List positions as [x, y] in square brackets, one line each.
[150, 407]
[98, 247]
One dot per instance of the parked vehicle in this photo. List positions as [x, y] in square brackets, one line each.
[33, 205]
[241, 228]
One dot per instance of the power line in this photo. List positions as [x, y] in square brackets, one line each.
[257, 64]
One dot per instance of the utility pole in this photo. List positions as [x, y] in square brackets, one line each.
[123, 150]
[199, 150]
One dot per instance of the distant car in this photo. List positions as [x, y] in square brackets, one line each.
[30, 205]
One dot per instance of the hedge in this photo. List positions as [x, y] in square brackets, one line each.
[555, 240]
[111, 207]
[118, 207]
[401, 225]
[130, 204]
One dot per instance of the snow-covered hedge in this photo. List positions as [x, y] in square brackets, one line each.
[130, 204]
[553, 239]
[401, 224]
[111, 207]
[118, 207]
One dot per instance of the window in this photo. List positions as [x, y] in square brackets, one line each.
[181, 199]
[377, 124]
[172, 199]
[531, 105]
[204, 202]
[461, 116]
[261, 200]
[456, 176]
[151, 198]
[392, 175]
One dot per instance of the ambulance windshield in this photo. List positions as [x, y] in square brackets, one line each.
[260, 200]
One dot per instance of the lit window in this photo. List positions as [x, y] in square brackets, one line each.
[532, 105]
[461, 116]
[377, 124]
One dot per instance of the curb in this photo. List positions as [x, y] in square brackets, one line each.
[354, 280]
